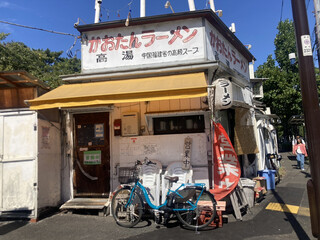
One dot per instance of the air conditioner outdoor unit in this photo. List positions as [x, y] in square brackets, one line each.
[130, 124]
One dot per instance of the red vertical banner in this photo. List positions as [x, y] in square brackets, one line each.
[226, 167]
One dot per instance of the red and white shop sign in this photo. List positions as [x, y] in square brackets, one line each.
[220, 49]
[226, 167]
[147, 44]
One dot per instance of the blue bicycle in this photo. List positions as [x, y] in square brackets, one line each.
[193, 205]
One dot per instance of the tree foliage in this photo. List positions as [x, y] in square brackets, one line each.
[282, 88]
[46, 65]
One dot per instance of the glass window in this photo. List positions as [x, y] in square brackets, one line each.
[90, 134]
[256, 88]
[180, 124]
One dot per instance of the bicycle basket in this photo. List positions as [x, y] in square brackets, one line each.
[187, 194]
[127, 175]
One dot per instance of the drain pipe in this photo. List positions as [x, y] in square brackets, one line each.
[192, 7]
[212, 6]
[97, 9]
[142, 8]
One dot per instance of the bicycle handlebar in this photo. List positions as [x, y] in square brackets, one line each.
[145, 161]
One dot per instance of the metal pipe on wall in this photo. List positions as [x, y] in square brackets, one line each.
[97, 11]
[192, 7]
[212, 6]
[142, 8]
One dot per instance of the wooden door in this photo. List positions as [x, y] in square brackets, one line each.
[92, 155]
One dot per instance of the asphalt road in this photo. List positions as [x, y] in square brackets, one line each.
[258, 223]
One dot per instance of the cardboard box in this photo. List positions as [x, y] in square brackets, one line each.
[261, 185]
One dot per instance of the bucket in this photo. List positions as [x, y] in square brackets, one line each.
[269, 175]
[248, 188]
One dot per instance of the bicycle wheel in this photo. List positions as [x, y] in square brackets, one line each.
[202, 215]
[126, 216]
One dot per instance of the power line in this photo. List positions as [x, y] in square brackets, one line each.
[40, 29]
[281, 11]
[118, 10]
[68, 52]
[308, 4]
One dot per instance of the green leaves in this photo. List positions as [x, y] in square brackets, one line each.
[43, 64]
[3, 36]
[285, 43]
[282, 89]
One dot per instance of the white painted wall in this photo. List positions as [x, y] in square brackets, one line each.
[49, 164]
[164, 148]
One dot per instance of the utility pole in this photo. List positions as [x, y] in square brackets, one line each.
[311, 108]
[317, 27]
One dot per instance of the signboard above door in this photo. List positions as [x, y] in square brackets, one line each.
[143, 45]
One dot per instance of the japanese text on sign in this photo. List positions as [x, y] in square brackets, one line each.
[223, 95]
[146, 39]
[306, 45]
[221, 47]
[226, 165]
[92, 157]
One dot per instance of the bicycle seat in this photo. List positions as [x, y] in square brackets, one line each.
[172, 179]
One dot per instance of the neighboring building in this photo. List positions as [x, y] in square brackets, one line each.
[143, 90]
[30, 158]
[266, 134]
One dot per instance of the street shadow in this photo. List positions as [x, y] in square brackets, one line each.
[174, 224]
[292, 158]
[301, 234]
[307, 175]
[295, 166]
[11, 226]
[143, 223]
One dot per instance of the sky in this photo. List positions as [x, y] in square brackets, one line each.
[255, 20]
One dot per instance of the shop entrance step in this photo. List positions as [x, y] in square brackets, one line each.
[86, 203]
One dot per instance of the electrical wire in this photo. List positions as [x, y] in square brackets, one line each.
[35, 28]
[281, 11]
[308, 4]
[118, 10]
[207, 4]
[68, 52]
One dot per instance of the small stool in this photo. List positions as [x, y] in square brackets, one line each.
[218, 221]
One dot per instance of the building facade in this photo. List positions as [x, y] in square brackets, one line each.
[146, 88]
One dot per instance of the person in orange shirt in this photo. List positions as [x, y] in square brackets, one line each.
[299, 149]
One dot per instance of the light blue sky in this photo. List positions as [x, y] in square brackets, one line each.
[255, 20]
